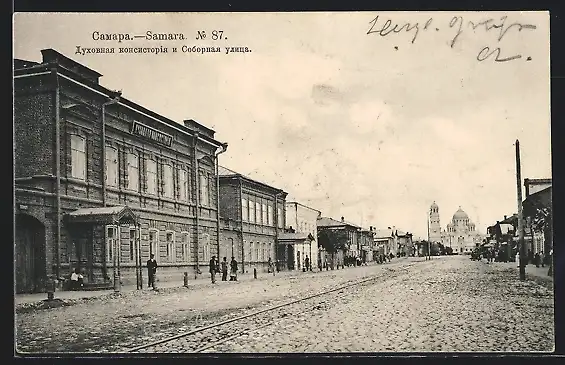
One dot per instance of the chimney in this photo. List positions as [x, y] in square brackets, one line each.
[342, 219]
[505, 217]
[388, 227]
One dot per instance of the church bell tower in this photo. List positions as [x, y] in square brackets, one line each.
[435, 227]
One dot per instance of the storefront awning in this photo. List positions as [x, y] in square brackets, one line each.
[105, 215]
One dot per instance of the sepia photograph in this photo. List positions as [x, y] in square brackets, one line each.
[282, 182]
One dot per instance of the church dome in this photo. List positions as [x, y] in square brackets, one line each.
[460, 214]
[434, 205]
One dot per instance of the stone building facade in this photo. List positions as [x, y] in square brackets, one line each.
[102, 182]
[252, 217]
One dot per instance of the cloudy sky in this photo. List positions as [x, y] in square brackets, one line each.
[367, 126]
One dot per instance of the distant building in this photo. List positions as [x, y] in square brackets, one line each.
[252, 216]
[301, 220]
[384, 241]
[351, 232]
[460, 234]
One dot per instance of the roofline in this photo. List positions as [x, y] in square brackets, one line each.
[101, 90]
[305, 206]
[243, 177]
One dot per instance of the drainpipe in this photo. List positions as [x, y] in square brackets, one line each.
[117, 242]
[241, 226]
[276, 196]
[224, 149]
[57, 172]
[197, 200]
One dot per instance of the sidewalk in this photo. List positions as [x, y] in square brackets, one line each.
[540, 272]
[201, 281]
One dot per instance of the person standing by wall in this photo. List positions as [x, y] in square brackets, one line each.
[213, 268]
[151, 270]
[225, 269]
[306, 264]
[233, 269]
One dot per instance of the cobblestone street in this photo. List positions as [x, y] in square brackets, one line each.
[447, 304]
[450, 304]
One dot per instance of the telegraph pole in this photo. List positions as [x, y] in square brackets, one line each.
[521, 245]
[428, 256]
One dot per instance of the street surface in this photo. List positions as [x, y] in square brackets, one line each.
[446, 304]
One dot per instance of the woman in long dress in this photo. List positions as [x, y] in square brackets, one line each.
[518, 258]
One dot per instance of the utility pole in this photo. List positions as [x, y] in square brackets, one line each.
[521, 245]
[428, 257]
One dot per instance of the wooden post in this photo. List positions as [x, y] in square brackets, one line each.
[521, 245]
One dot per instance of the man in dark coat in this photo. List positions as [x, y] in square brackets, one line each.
[225, 269]
[233, 269]
[213, 268]
[151, 270]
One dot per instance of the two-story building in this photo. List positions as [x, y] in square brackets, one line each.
[252, 218]
[302, 220]
[102, 182]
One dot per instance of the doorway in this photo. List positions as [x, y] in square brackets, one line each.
[30, 254]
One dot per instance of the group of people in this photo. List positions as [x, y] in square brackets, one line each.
[222, 267]
[538, 259]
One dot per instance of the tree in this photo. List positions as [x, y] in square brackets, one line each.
[333, 240]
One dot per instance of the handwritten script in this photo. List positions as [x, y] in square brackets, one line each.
[457, 26]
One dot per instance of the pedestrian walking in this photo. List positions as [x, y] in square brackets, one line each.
[213, 269]
[542, 259]
[518, 258]
[233, 269]
[225, 269]
[537, 259]
[306, 263]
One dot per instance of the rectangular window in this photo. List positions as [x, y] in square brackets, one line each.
[78, 157]
[251, 211]
[244, 210]
[257, 212]
[280, 217]
[205, 250]
[264, 252]
[132, 236]
[153, 243]
[151, 177]
[111, 166]
[183, 184]
[185, 247]
[170, 241]
[204, 196]
[111, 236]
[133, 172]
[250, 252]
[270, 216]
[168, 184]
[264, 211]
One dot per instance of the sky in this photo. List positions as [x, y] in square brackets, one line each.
[372, 127]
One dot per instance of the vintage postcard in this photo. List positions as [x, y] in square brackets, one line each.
[305, 182]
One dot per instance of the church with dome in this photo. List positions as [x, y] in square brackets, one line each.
[460, 233]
